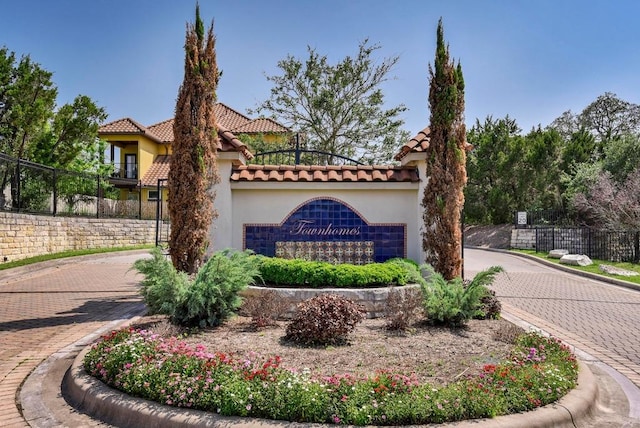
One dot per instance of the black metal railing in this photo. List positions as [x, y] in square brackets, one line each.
[126, 171]
[544, 218]
[612, 245]
[28, 187]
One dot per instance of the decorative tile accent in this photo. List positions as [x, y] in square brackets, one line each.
[327, 229]
[359, 253]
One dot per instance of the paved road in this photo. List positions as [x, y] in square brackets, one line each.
[598, 318]
[54, 309]
[46, 308]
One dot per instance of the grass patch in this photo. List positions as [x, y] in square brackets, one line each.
[70, 253]
[594, 268]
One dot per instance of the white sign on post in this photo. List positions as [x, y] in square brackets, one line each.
[522, 218]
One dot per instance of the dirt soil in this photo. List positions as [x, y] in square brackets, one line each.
[488, 236]
[437, 355]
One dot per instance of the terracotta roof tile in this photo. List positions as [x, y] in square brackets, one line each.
[159, 169]
[163, 130]
[321, 173]
[122, 126]
[126, 126]
[260, 125]
[228, 117]
[420, 143]
[228, 121]
[417, 144]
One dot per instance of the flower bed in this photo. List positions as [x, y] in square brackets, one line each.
[539, 371]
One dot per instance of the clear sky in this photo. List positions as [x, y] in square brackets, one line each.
[530, 59]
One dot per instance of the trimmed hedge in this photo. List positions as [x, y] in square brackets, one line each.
[279, 272]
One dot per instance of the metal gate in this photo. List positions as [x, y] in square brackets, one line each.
[163, 224]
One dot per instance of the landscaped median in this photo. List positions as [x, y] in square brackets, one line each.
[539, 371]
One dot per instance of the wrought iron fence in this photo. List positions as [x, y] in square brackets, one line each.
[163, 221]
[548, 217]
[300, 156]
[615, 246]
[29, 187]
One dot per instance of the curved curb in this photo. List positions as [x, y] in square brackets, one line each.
[93, 397]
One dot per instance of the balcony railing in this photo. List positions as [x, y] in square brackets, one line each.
[126, 171]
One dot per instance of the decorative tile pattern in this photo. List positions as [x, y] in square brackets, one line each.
[327, 229]
[357, 253]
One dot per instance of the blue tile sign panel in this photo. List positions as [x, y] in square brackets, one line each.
[330, 230]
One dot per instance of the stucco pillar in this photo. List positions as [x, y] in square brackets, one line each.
[220, 230]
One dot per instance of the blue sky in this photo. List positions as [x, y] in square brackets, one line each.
[530, 59]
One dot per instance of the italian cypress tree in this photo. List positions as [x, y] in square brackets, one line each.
[443, 197]
[193, 169]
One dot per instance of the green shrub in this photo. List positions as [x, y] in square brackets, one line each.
[324, 319]
[213, 296]
[453, 303]
[414, 275]
[303, 273]
[162, 286]
[207, 300]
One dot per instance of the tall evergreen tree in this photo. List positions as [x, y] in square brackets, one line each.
[193, 170]
[443, 197]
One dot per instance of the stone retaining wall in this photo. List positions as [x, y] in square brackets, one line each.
[523, 239]
[373, 299]
[25, 235]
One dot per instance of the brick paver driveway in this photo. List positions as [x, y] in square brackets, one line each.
[598, 318]
[49, 306]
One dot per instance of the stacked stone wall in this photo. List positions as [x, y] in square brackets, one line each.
[25, 235]
[523, 239]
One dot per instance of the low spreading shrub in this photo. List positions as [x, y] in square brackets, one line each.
[453, 302]
[208, 299]
[324, 319]
[490, 306]
[162, 286]
[539, 371]
[303, 273]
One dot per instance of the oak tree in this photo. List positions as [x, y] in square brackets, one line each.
[338, 108]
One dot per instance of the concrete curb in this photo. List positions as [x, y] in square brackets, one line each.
[93, 397]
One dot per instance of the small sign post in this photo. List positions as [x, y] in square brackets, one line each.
[521, 219]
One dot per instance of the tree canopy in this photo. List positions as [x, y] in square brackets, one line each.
[574, 164]
[338, 108]
[193, 169]
[32, 128]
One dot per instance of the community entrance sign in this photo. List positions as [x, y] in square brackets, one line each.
[327, 229]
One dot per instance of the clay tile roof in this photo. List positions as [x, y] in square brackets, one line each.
[163, 130]
[228, 117]
[321, 173]
[126, 126]
[260, 125]
[417, 144]
[228, 142]
[420, 143]
[159, 169]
